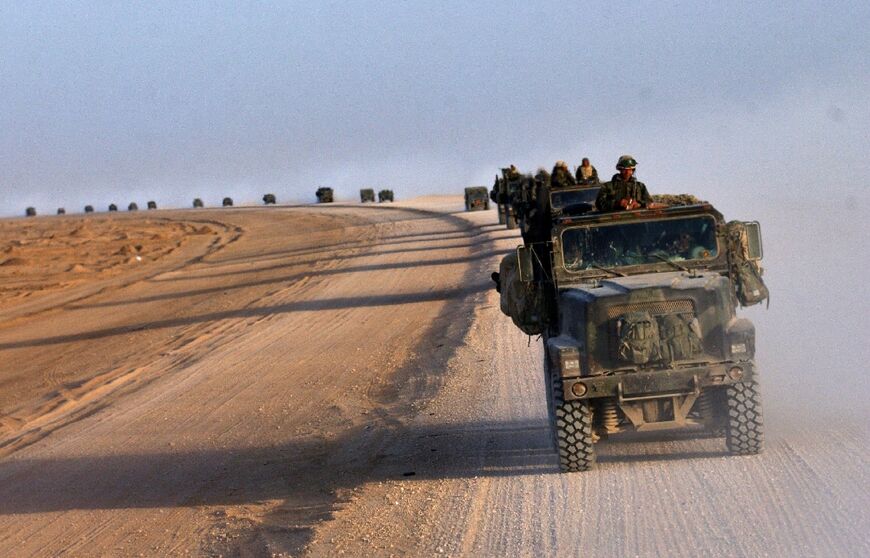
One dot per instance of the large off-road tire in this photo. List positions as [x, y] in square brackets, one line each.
[744, 427]
[571, 422]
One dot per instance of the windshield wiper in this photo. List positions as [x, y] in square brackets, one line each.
[607, 270]
[675, 264]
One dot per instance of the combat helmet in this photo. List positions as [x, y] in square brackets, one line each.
[626, 162]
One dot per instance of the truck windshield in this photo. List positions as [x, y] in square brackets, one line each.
[621, 244]
[564, 198]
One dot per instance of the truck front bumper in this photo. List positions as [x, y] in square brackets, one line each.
[657, 384]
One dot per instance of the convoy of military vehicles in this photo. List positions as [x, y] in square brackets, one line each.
[636, 309]
[323, 195]
[637, 314]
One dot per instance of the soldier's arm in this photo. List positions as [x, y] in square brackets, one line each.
[644, 198]
[604, 202]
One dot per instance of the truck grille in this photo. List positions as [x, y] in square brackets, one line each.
[656, 308]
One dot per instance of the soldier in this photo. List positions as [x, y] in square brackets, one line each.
[586, 172]
[561, 176]
[537, 225]
[624, 192]
[513, 173]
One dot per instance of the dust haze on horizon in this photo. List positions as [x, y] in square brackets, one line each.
[118, 103]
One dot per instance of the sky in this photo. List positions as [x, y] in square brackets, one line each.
[105, 102]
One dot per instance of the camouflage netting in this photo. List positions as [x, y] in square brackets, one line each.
[676, 199]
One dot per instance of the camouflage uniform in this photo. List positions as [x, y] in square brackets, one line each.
[561, 178]
[618, 189]
[592, 178]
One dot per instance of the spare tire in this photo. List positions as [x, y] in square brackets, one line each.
[523, 302]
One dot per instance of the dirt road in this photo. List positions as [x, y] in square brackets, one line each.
[339, 380]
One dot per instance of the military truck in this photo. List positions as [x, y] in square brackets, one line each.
[227, 202]
[269, 199]
[476, 198]
[510, 190]
[637, 313]
[61, 211]
[324, 195]
[133, 206]
[112, 207]
[385, 196]
[89, 209]
[30, 212]
[367, 195]
[503, 191]
[495, 196]
[197, 202]
[152, 205]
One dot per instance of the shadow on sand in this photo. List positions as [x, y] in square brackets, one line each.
[300, 470]
[260, 311]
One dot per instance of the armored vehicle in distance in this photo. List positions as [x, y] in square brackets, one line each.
[385, 196]
[197, 202]
[269, 199]
[476, 198]
[637, 312]
[132, 207]
[324, 195]
[89, 209]
[30, 212]
[112, 207]
[367, 195]
[61, 211]
[152, 205]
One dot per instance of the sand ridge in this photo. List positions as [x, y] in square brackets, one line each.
[42, 256]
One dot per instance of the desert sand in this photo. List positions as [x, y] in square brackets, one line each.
[339, 380]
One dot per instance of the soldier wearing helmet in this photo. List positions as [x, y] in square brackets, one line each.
[624, 192]
[561, 176]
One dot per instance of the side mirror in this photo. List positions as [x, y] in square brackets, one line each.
[524, 260]
[753, 236]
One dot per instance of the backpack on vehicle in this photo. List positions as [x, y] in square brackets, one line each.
[745, 273]
[680, 337]
[523, 302]
[638, 338]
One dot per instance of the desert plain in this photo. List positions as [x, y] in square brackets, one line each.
[339, 380]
